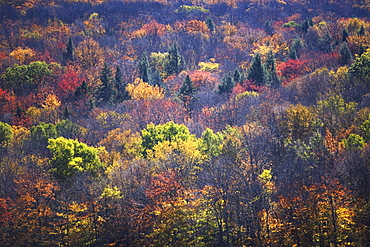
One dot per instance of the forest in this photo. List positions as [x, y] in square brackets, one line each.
[185, 123]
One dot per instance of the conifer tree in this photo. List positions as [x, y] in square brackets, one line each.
[69, 54]
[187, 93]
[210, 24]
[156, 79]
[270, 67]
[108, 91]
[238, 77]
[227, 84]
[361, 31]
[345, 35]
[176, 62]
[325, 42]
[144, 68]
[120, 86]
[257, 72]
[345, 54]
[66, 113]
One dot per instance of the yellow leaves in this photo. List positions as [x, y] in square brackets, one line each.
[275, 43]
[22, 54]
[51, 101]
[228, 29]
[140, 90]
[89, 53]
[208, 66]
[111, 192]
[246, 94]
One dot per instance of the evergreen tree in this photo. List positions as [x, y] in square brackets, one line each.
[325, 43]
[268, 28]
[238, 77]
[187, 93]
[210, 24]
[144, 68]
[306, 25]
[257, 72]
[361, 31]
[227, 84]
[66, 113]
[82, 89]
[272, 77]
[176, 62]
[345, 35]
[108, 91]
[69, 54]
[156, 79]
[345, 54]
[120, 86]
[294, 48]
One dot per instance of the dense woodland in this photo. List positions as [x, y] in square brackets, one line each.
[185, 123]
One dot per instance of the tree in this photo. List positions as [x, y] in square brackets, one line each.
[345, 54]
[361, 31]
[120, 86]
[39, 136]
[227, 84]
[69, 54]
[89, 53]
[170, 131]
[25, 78]
[256, 71]
[108, 91]
[71, 157]
[272, 77]
[345, 35]
[238, 77]
[187, 92]
[176, 62]
[144, 69]
[210, 24]
[6, 133]
[360, 68]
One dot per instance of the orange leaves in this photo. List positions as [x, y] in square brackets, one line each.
[196, 26]
[153, 28]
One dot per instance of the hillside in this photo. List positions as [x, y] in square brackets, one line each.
[184, 123]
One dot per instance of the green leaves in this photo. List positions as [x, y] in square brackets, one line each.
[20, 77]
[71, 157]
[6, 133]
[153, 134]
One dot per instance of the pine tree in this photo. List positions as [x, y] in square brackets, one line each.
[69, 54]
[257, 72]
[325, 42]
[108, 92]
[361, 31]
[294, 48]
[144, 68]
[66, 114]
[345, 35]
[187, 93]
[272, 77]
[156, 79]
[306, 25]
[210, 24]
[238, 77]
[82, 89]
[227, 84]
[176, 62]
[120, 86]
[345, 54]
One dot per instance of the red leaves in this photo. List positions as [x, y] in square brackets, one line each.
[292, 69]
[69, 81]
